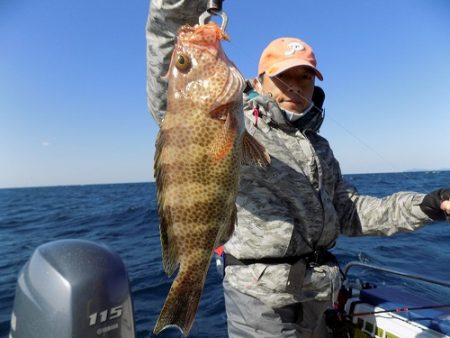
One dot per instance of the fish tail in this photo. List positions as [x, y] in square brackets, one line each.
[182, 301]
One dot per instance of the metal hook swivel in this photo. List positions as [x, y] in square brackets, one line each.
[214, 8]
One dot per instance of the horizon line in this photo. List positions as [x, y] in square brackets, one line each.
[153, 181]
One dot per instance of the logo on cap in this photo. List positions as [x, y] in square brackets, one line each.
[293, 48]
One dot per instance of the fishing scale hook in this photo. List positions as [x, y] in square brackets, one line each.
[214, 8]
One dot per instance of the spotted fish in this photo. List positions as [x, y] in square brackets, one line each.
[199, 150]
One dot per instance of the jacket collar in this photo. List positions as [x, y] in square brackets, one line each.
[276, 116]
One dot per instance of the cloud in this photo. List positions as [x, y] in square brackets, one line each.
[45, 143]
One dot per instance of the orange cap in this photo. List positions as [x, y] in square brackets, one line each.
[284, 53]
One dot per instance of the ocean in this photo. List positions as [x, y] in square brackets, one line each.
[124, 217]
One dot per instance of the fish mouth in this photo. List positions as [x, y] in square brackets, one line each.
[208, 35]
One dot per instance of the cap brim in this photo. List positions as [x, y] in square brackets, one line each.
[284, 65]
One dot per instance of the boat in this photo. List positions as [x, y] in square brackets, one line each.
[76, 288]
[366, 309]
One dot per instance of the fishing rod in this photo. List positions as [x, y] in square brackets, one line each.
[395, 272]
[401, 274]
[310, 102]
[339, 124]
[401, 309]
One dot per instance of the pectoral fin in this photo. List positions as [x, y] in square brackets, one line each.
[253, 152]
[224, 140]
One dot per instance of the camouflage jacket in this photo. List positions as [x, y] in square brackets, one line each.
[299, 204]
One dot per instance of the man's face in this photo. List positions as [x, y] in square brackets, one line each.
[292, 89]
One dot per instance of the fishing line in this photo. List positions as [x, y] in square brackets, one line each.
[382, 158]
[335, 121]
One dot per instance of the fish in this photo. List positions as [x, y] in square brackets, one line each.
[200, 147]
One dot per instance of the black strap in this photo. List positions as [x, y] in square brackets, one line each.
[231, 260]
[317, 257]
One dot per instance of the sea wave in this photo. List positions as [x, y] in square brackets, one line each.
[124, 217]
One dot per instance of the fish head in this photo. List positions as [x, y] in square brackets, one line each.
[200, 74]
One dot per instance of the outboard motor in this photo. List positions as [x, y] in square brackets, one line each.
[73, 289]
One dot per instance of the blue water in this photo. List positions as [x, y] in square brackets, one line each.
[124, 217]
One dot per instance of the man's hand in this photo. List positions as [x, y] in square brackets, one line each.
[436, 204]
[446, 207]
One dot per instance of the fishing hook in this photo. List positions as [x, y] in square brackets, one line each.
[214, 8]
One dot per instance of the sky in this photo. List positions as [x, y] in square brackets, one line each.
[73, 106]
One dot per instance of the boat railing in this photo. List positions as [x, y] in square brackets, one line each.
[394, 272]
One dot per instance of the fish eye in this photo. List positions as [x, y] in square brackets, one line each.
[182, 61]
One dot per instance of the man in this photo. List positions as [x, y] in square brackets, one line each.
[279, 276]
